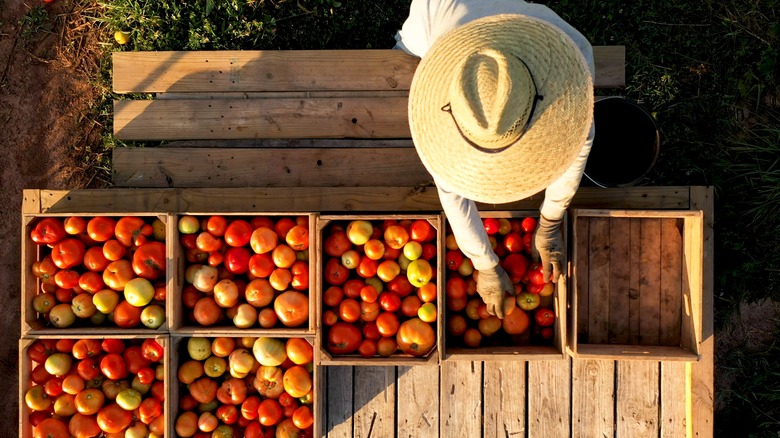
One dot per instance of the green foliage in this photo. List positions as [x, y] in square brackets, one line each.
[34, 22]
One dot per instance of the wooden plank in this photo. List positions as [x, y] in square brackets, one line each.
[271, 118]
[637, 399]
[649, 284]
[610, 66]
[461, 399]
[635, 251]
[299, 70]
[272, 70]
[322, 199]
[549, 398]
[417, 415]
[673, 399]
[702, 372]
[161, 167]
[635, 352]
[504, 399]
[619, 275]
[31, 201]
[582, 239]
[671, 281]
[338, 409]
[593, 398]
[374, 402]
[598, 281]
[291, 143]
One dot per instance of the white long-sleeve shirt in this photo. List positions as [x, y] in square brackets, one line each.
[430, 19]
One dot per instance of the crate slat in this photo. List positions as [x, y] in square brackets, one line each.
[593, 398]
[675, 399]
[549, 403]
[417, 413]
[598, 281]
[461, 398]
[504, 399]
[634, 309]
[649, 282]
[619, 273]
[637, 403]
[671, 282]
[374, 401]
[339, 409]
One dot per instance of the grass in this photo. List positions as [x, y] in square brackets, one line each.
[706, 69]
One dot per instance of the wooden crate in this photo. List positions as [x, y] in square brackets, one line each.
[180, 325]
[26, 366]
[33, 323]
[554, 351]
[399, 359]
[179, 349]
[637, 285]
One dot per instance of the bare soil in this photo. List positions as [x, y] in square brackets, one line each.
[46, 95]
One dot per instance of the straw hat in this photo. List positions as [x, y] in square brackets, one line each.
[500, 107]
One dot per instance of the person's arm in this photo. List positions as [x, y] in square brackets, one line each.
[559, 194]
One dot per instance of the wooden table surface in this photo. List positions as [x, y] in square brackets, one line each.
[570, 397]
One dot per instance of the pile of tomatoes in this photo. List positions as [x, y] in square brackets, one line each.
[528, 316]
[250, 387]
[100, 269]
[252, 271]
[88, 387]
[380, 295]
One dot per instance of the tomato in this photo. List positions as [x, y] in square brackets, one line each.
[249, 407]
[343, 338]
[204, 390]
[415, 337]
[101, 228]
[544, 317]
[48, 231]
[298, 237]
[117, 274]
[67, 278]
[53, 387]
[297, 381]
[152, 351]
[269, 381]
[111, 345]
[149, 260]
[88, 368]
[113, 366]
[84, 348]
[39, 350]
[89, 401]
[114, 419]
[216, 225]
[58, 364]
[150, 409]
[453, 259]
[333, 296]
[386, 346]
[51, 428]
[421, 231]
[37, 417]
[269, 412]
[368, 348]
[75, 225]
[335, 273]
[516, 322]
[238, 233]
[299, 351]
[236, 260]
[292, 308]
[287, 429]
[189, 371]
[186, 424]
[349, 310]
[233, 391]
[400, 285]
[387, 323]
[303, 417]
[37, 399]
[68, 252]
[158, 390]
[132, 230]
[228, 414]
[134, 359]
[94, 260]
[39, 375]
[73, 384]
[83, 426]
[126, 315]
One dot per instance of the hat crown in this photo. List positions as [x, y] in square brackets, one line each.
[491, 98]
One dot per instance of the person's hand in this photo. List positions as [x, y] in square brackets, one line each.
[548, 247]
[493, 285]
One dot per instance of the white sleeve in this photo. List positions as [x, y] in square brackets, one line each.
[558, 195]
[463, 217]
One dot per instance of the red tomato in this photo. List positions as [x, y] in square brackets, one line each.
[48, 231]
[453, 259]
[343, 338]
[421, 231]
[335, 273]
[216, 225]
[130, 229]
[337, 243]
[150, 409]
[113, 366]
[236, 260]
[68, 253]
[152, 350]
[389, 301]
[88, 369]
[126, 315]
[134, 359]
[113, 418]
[39, 350]
[249, 407]
[387, 323]
[528, 224]
[349, 310]
[238, 233]
[303, 417]
[67, 278]
[227, 413]
[149, 260]
[101, 228]
[332, 296]
[269, 412]
[116, 346]
[416, 337]
[544, 316]
[367, 348]
[491, 225]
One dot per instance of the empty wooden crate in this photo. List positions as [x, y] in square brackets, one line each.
[637, 286]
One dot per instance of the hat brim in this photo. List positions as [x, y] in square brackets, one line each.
[557, 130]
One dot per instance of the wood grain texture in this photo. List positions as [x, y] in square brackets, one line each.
[702, 372]
[162, 167]
[417, 414]
[339, 406]
[271, 70]
[649, 281]
[549, 398]
[581, 256]
[619, 276]
[671, 282]
[374, 402]
[593, 398]
[635, 251]
[298, 70]
[674, 421]
[637, 399]
[269, 118]
[598, 281]
[504, 393]
[461, 399]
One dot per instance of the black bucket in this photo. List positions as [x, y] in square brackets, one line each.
[625, 146]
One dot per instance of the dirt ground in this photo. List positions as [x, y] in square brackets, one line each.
[47, 127]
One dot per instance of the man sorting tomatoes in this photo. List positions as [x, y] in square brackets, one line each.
[500, 108]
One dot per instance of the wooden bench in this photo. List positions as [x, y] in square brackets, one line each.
[280, 111]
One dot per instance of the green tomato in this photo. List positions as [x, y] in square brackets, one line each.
[129, 399]
[528, 301]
